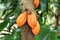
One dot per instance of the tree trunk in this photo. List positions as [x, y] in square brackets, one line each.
[58, 19]
[26, 33]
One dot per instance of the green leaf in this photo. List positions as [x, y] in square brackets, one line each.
[2, 8]
[53, 35]
[1, 12]
[44, 31]
[8, 15]
[16, 13]
[11, 22]
[3, 25]
[17, 34]
[18, 9]
[58, 37]
[40, 19]
[58, 28]
[8, 37]
[44, 5]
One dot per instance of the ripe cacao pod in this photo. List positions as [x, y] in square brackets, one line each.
[21, 19]
[31, 19]
[36, 3]
[36, 30]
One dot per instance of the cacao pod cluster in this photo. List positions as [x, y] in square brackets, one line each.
[31, 19]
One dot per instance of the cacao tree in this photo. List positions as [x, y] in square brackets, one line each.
[29, 19]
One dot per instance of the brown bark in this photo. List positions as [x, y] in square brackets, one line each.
[27, 4]
[26, 33]
[58, 19]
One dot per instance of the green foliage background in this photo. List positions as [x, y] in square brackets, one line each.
[9, 8]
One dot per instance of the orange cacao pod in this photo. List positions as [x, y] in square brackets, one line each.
[36, 29]
[31, 19]
[36, 3]
[21, 19]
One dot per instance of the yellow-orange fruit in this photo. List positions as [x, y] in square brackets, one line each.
[36, 3]
[21, 19]
[31, 19]
[36, 29]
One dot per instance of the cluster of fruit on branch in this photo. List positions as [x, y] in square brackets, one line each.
[30, 18]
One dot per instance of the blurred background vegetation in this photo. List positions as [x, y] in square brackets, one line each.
[48, 17]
